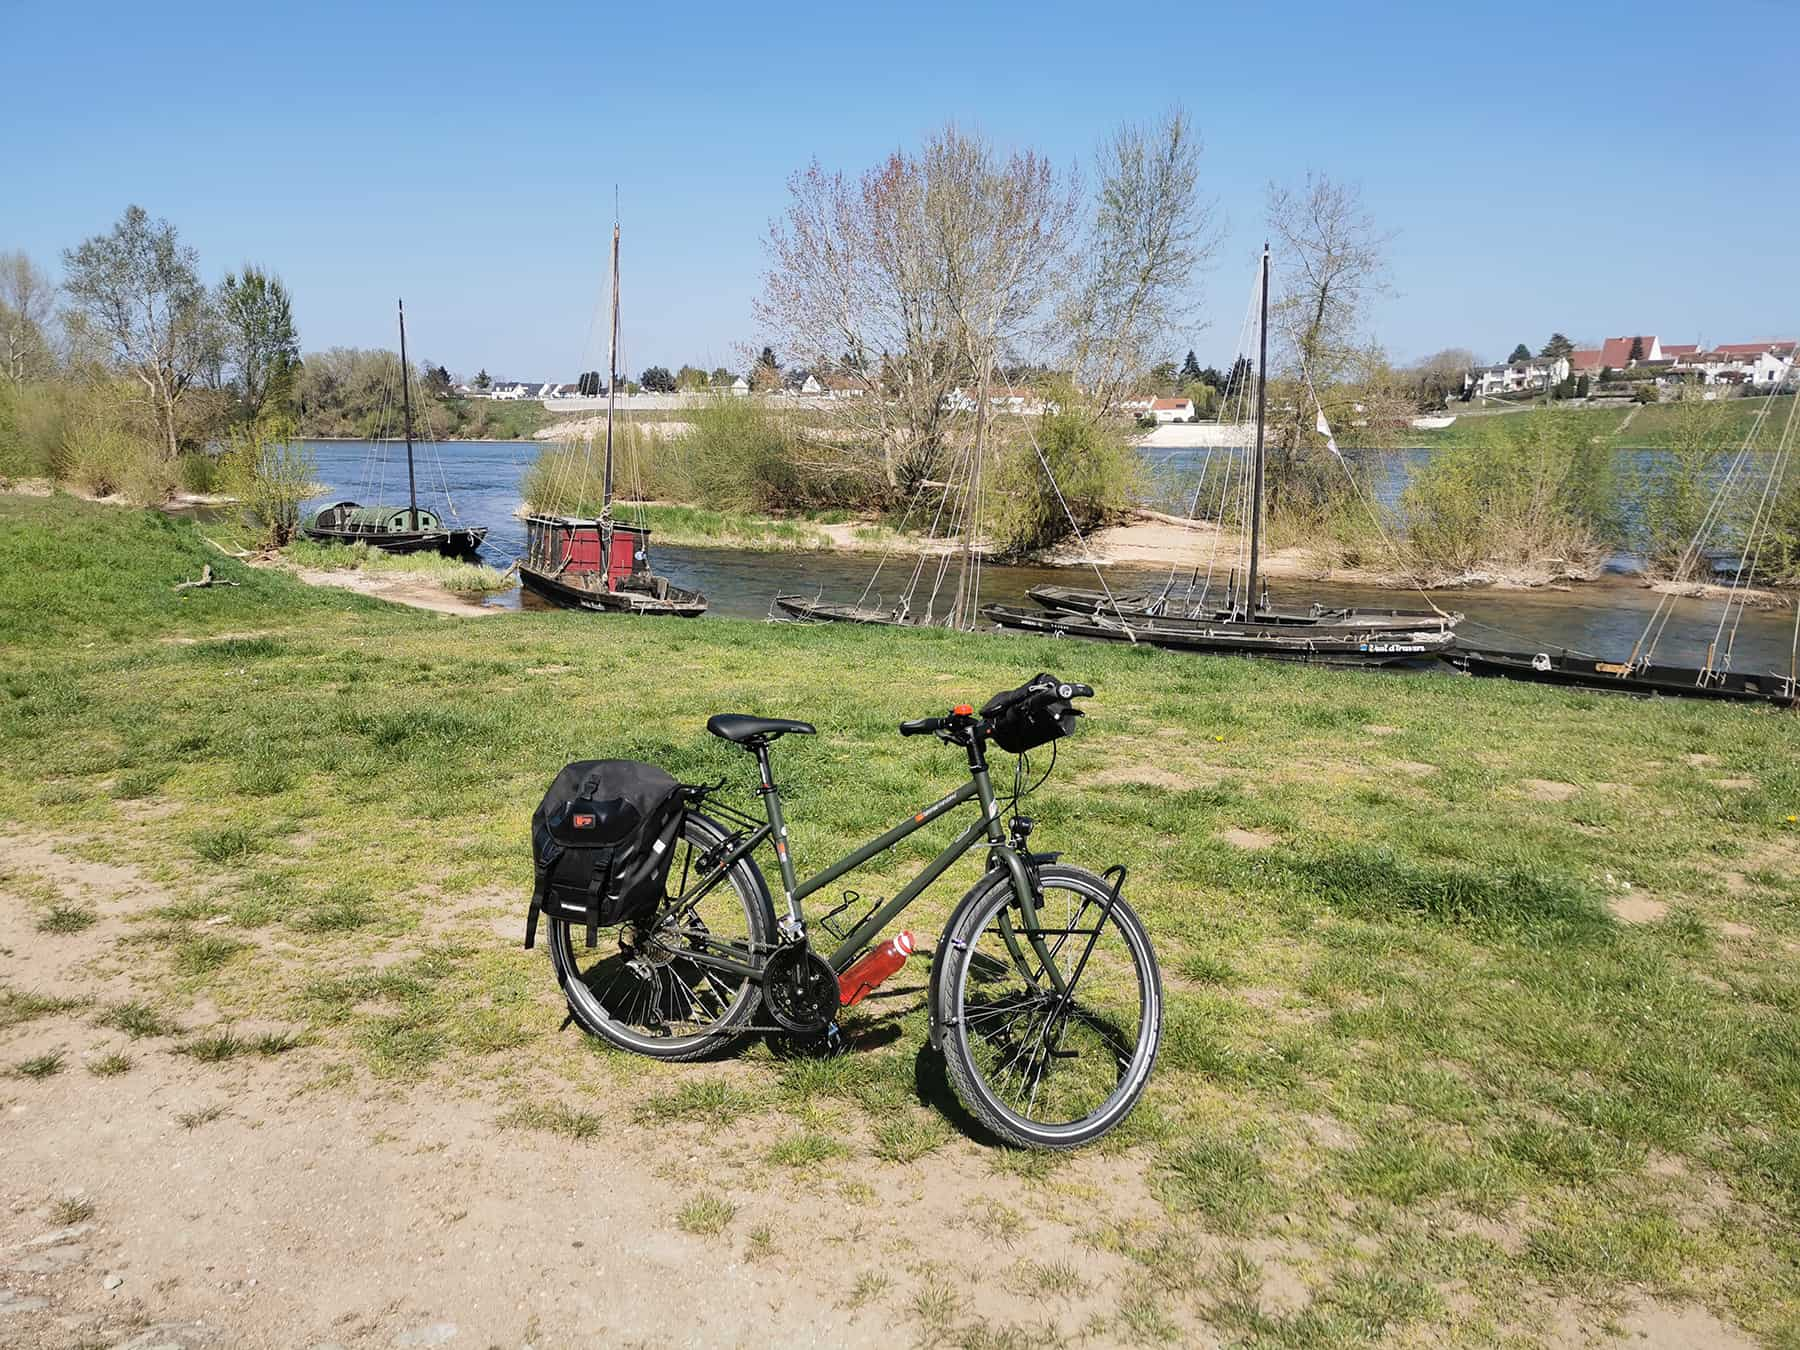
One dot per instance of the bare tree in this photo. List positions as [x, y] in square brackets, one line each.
[27, 310]
[911, 281]
[137, 291]
[1152, 232]
[1330, 258]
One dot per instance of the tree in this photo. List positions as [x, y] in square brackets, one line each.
[658, 380]
[1441, 375]
[261, 343]
[767, 360]
[938, 260]
[137, 291]
[691, 377]
[270, 470]
[1520, 353]
[1558, 346]
[720, 375]
[1212, 376]
[1332, 258]
[1637, 350]
[434, 381]
[1152, 231]
[483, 380]
[27, 304]
[1163, 376]
[1190, 368]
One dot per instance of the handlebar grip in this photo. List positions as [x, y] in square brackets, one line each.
[921, 726]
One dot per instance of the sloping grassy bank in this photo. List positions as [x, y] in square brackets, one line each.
[1483, 1004]
[1653, 426]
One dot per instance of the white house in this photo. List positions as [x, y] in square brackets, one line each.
[1513, 377]
[740, 387]
[1172, 409]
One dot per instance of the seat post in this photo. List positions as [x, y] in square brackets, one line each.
[778, 827]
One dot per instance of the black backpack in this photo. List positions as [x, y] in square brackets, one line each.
[602, 841]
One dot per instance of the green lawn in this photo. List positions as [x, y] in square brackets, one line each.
[1651, 428]
[1416, 1067]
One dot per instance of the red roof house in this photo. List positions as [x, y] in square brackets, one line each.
[1616, 353]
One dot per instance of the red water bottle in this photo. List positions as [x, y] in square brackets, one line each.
[855, 984]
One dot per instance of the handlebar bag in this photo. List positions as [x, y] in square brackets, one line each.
[1029, 716]
[601, 843]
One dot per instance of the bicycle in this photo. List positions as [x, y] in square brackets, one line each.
[1036, 1064]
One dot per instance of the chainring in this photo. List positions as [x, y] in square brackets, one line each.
[800, 990]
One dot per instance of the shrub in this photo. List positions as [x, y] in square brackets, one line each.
[1675, 488]
[271, 473]
[1540, 495]
[1095, 472]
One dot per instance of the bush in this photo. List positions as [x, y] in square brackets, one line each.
[198, 471]
[271, 473]
[33, 423]
[1675, 488]
[1539, 497]
[1097, 473]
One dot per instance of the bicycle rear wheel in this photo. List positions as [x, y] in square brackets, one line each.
[642, 990]
[1050, 1054]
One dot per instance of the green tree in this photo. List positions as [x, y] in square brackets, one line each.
[483, 380]
[269, 469]
[1557, 346]
[135, 291]
[1520, 353]
[720, 375]
[1163, 376]
[261, 343]
[658, 380]
[691, 377]
[1637, 350]
[1190, 368]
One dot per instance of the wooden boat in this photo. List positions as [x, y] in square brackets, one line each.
[395, 529]
[805, 609]
[392, 529]
[596, 563]
[1169, 607]
[601, 565]
[1618, 677]
[1273, 642]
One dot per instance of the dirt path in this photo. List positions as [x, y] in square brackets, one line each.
[418, 592]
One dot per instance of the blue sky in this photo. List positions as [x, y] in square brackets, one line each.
[1591, 169]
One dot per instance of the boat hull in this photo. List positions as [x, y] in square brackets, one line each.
[802, 609]
[1580, 672]
[1364, 649]
[664, 600]
[460, 543]
[1142, 606]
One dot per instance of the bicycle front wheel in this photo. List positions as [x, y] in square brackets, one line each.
[1050, 1028]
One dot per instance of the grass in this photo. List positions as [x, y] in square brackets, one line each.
[66, 918]
[1412, 1019]
[1652, 428]
[46, 1065]
[453, 574]
[69, 1210]
[110, 1065]
[204, 1115]
[705, 1215]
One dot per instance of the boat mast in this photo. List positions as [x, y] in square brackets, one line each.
[1251, 599]
[412, 489]
[612, 379]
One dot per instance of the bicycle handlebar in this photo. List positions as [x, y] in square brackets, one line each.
[964, 716]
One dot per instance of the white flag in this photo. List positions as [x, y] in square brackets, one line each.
[1325, 431]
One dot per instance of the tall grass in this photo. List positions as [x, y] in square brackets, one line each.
[453, 574]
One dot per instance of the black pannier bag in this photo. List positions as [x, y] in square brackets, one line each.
[602, 841]
[1034, 714]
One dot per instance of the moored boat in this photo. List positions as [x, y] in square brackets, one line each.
[1563, 668]
[395, 529]
[1174, 607]
[596, 563]
[1353, 649]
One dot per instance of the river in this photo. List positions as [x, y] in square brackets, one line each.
[1605, 617]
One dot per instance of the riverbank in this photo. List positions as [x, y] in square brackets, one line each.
[1481, 997]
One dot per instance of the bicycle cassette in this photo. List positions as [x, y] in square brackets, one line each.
[800, 990]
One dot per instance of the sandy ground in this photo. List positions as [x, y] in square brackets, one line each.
[419, 592]
[293, 1201]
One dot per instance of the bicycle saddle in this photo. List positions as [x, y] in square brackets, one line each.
[743, 729]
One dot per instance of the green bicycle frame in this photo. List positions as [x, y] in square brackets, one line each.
[979, 788]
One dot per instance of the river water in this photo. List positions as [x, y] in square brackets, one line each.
[1605, 617]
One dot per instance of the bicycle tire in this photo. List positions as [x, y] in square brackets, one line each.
[966, 1048]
